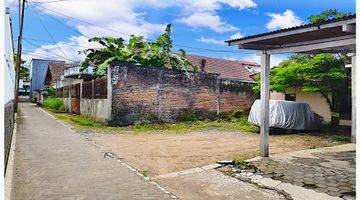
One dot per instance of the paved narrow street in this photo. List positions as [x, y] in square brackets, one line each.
[51, 162]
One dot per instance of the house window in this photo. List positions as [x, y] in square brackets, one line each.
[290, 97]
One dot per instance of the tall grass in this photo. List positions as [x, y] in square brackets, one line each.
[54, 104]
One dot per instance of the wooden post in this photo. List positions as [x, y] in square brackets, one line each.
[353, 98]
[264, 94]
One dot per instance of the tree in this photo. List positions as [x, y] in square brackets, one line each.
[137, 51]
[327, 15]
[24, 71]
[323, 73]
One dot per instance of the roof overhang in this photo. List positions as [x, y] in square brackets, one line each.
[333, 36]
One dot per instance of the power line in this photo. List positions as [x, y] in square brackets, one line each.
[108, 29]
[38, 46]
[42, 55]
[45, 2]
[48, 32]
[39, 40]
[74, 29]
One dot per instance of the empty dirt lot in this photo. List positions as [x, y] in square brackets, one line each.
[161, 153]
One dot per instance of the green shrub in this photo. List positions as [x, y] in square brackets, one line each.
[85, 121]
[54, 104]
[234, 115]
[341, 138]
[190, 115]
[51, 91]
[149, 118]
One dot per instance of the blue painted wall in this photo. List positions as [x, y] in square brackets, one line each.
[38, 73]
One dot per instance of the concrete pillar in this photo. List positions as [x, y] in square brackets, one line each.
[109, 94]
[69, 99]
[353, 97]
[264, 95]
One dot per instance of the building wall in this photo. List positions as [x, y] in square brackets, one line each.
[138, 93]
[277, 95]
[38, 69]
[317, 103]
[98, 109]
[9, 86]
[236, 95]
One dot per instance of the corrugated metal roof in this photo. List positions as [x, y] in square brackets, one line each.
[295, 28]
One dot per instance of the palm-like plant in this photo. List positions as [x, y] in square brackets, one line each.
[137, 51]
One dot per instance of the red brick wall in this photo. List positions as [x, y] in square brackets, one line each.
[138, 92]
[236, 95]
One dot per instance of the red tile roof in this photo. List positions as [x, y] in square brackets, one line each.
[226, 68]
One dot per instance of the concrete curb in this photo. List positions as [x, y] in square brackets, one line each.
[190, 171]
[10, 164]
[291, 191]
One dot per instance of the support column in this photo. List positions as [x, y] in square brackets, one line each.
[109, 94]
[69, 99]
[264, 95]
[353, 98]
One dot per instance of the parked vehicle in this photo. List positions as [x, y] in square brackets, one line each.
[286, 115]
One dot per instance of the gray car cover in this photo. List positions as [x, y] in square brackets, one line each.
[286, 115]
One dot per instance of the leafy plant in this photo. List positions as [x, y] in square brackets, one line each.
[234, 115]
[323, 73]
[137, 51]
[189, 115]
[327, 15]
[24, 72]
[54, 104]
[51, 90]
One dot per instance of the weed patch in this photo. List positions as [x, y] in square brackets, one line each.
[55, 104]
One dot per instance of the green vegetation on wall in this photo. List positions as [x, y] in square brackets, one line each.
[145, 53]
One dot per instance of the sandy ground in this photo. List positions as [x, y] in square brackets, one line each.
[164, 153]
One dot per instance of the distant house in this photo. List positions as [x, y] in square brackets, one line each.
[38, 70]
[131, 93]
[53, 73]
[236, 70]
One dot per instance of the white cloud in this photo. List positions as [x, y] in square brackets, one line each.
[241, 4]
[211, 41]
[67, 51]
[122, 18]
[237, 35]
[202, 13]
[91, 18]
[192, 6]
[209, 20]
[274, 59]
[230, 58]
[283, 20]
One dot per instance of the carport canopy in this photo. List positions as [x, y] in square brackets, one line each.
[331, 36]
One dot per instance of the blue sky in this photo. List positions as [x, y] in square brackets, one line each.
[59, 28]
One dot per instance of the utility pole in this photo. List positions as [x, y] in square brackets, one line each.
[19, 50]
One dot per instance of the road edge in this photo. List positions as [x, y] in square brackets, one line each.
[10, 165]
